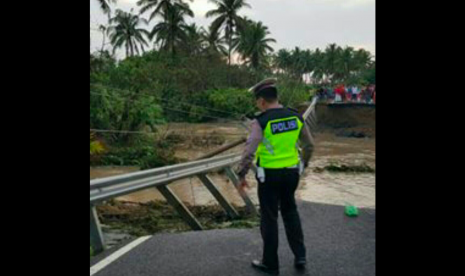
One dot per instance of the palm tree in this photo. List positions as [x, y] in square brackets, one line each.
[214, 42]
[346, 62]
[194, 40]
[318, 69]
[158, 6]
[297, 63]
[332, 52]
[252, 43]
[105, 5]
[171, 32]
[308, 63]
[227, 17]
[283, 60]
[362, 59]
[103, 29]
[124, 30]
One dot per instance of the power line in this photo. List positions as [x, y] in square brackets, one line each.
[177, 110]
[154, 133]
[188, 112]
[175, 101]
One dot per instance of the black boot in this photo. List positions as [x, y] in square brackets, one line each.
[300, 263]
[263, 268]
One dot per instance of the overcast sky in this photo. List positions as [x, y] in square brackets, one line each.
[307, 24]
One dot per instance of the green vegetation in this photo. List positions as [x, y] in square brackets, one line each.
[180, 72]
[331, 66]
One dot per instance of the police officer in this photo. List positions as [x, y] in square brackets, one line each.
[273, 142]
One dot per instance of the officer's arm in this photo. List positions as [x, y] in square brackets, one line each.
[251, 146]
[307, 144]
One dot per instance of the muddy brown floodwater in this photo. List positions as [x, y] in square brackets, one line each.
[340, 188]
[323, 187]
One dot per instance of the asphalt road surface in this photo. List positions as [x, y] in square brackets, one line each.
[336, 246]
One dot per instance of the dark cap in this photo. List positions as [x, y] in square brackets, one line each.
[266, 86]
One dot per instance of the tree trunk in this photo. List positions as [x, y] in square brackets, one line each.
[103, 41]
[172, 48]
[229, 48]
[229, 31]
[229, 52]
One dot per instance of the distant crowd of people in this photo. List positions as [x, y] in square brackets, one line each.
[350, 93]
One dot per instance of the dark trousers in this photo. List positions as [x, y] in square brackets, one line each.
[278, 191]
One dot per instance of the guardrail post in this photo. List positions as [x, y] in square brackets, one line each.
[180, 207]
[310, 122]
[219, 197]
[235, 180]
[96, 237]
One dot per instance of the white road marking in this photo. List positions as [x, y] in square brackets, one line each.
[120, 252]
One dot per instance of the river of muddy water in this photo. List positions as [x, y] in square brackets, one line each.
[322, 187]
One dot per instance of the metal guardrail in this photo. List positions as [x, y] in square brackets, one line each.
[106, 188]
[311, 109]
[159, 178]
[310, 115]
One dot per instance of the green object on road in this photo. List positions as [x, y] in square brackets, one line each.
[91, 251]
[351, 211]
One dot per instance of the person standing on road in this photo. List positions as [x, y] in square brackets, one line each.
[367, 94]
[355, 93]
[274, 140]
[348, 94]
[339, 91]
[330, 93]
